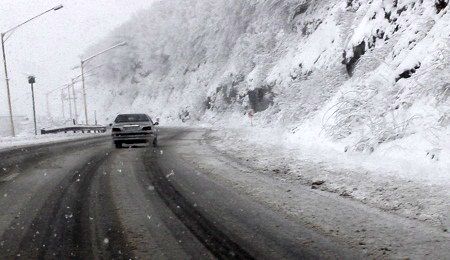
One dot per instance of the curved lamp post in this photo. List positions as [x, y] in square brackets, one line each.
[4, 37]
[72, 85]
[83, 62]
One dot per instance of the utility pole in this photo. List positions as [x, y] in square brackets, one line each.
[70, 103]
[8, 92]
[32, 80]
[74, 95]
[83, 78]
[47, 101]
[62, 105]
[84, 94]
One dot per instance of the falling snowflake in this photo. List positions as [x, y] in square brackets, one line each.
[170, 174]
[106, 241]
[161, 151]
[119, 170]
[151, 187]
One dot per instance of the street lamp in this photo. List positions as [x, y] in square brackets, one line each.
[83, 62]
[62, 103]
[70, 102]
[4, 37]
[74, 95]
[32, 80]
[72, 86]
[56, 8]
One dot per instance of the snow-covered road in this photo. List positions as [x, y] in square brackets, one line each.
[196, 196]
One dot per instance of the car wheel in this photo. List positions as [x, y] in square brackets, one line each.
[155, 142]
[118, 144]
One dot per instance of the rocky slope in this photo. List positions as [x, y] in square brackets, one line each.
[358, 73]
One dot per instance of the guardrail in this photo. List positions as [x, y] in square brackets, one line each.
[75, 129]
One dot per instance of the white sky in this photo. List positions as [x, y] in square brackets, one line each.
[51, 45]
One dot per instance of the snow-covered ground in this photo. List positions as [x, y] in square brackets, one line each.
[412, 186]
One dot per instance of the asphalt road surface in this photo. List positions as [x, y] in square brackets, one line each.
[87, 200]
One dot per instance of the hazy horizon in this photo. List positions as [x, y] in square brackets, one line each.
[51, 45]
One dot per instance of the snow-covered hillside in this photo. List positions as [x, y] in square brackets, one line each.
[356, 73]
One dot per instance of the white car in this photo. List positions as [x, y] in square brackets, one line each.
[134, 128]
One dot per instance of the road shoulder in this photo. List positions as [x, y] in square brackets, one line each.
[376, 232]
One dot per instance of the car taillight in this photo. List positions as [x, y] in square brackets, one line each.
[116, 130]
[147, 128]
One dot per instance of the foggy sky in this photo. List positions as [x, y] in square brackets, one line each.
[51, 45]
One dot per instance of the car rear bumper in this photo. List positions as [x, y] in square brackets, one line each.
[133, 137]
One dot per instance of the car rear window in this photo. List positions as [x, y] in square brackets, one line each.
[132, 118]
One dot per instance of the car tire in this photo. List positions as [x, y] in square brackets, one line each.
[155, 142]
[118, 145]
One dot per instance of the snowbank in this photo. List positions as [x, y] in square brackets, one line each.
[392, 179]
[29, 139]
